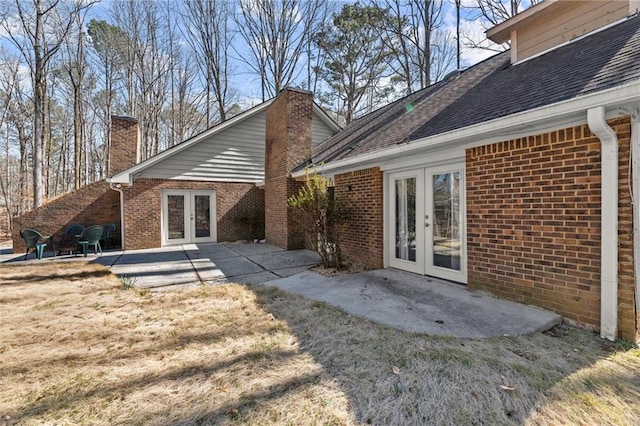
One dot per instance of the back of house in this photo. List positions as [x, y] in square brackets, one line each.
[518, 176]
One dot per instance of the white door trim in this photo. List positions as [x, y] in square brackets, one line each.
[424, 241]
[430, 269]
[417, 265]
[212, 216]
[189, 220]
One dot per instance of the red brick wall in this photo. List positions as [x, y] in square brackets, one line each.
[288, 144]
[362, 237]
[628, 317]
[533, 223]
[94, 204]
[124, 151]
[143, 209]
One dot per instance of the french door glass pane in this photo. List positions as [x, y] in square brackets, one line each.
[175, 213]
[202, 216]
[405, 225]
[446, 220]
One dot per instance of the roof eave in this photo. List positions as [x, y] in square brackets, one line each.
[501, 33]
[561, 112]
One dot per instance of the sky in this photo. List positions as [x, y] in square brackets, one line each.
[248, 86]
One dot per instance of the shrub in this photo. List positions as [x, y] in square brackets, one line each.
[322, 214]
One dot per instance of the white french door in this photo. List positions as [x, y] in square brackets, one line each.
[188, 216]
[426, 222]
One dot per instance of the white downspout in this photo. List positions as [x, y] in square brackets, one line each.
[609, 223]
[118, 187]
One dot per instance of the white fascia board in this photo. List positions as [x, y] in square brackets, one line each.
[529, 122]
[126, 176]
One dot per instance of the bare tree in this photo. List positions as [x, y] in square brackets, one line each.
[207, 32]
[409, 33]
[276, 34]
[148, 64]
[497, 11]
[76, 67]
[43, 25]
[18, 124]
[183, 113]
[494, 12]
[109, 44]
[8, 82]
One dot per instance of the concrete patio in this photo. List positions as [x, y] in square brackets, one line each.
[395, 298]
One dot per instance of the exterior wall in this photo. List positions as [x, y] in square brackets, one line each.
[124, 151]
[94, 204]
[321, 132]
[628, 316]
[533, 223]
[143, 209]
[567, 22]
[288, 144]
[234, 154]
[362, 237]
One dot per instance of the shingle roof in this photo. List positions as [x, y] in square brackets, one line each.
[494, 89]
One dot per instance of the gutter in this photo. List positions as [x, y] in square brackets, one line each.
[472, 135]
[609, 222]
[118, 187]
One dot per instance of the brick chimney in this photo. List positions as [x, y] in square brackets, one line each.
[288, 144]
[124, 151]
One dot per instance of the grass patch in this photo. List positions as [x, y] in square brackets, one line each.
[231, 354]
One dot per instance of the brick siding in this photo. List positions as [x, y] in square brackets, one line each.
[288, 144]
[628, 317]
[362, 237]
[143, 209]
[533, 223]
[94, 204]
[124, 150]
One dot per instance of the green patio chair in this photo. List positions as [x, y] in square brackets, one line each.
[91, 237]
[35, 240]
[69, 240]
[107, 233]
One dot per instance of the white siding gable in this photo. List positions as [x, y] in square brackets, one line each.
[321, 131]
[233, 151]
[235, 154]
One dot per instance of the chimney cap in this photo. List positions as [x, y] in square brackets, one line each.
[124, 118]
[295, 89]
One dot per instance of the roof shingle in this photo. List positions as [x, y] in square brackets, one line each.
[494, 89]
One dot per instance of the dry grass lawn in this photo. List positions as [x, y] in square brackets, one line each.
[77, 349]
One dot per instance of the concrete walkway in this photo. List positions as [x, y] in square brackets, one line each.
[398, 299]
[420, 304]
[194, 264]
